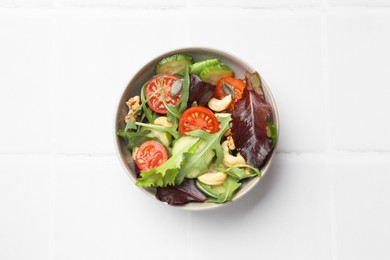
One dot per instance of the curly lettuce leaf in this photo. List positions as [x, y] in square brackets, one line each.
[229, 187]
[212, 143]
[166, 173]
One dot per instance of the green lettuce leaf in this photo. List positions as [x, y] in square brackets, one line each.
[166, 173]
[212, 143]
[220, 196]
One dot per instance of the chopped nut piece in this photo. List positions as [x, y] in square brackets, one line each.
[133, 104]
[231, 144]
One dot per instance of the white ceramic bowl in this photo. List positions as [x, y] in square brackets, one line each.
[145, 73]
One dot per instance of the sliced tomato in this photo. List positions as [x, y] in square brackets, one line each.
[165, 82]
[198, 118]
[150, 154]
[238, 87]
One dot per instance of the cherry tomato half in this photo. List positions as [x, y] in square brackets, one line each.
[238, 87]
[150, 154]
[198, 118]
[165, 82]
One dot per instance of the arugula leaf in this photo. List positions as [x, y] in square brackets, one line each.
[174, 112]
[229, 187]
[134, 138]
[171, 130]
[186, 91]
[130, 126]
[166, 173]
[238, 171]
[207, 189]
[148, 112]
[212, 143]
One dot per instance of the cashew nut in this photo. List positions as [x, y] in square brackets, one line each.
[219, 105]
[163, 121]
[230, 160]
[212, 178]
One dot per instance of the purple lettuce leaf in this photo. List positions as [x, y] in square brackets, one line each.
[200, 91]
[181, 194]
[249, 123]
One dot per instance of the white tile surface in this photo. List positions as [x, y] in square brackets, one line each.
[101, 214]
[24, 207]
[286, 49]
[64, 195]
[100, 51]
[362, 206]
[25, 81]
[287, 215]
[359, 78]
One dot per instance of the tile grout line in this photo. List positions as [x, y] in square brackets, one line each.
[328, 151]
[55, 56]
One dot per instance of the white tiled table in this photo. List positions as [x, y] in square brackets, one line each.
[64, 195]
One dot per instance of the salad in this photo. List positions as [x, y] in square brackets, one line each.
[196, 133]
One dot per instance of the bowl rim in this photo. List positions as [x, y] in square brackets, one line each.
[270, 99]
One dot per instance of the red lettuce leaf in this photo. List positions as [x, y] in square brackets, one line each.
[182, 194]
[200, 91]
[249, 123]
